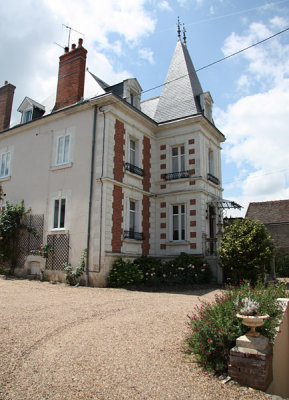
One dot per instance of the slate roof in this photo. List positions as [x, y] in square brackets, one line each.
[180, 94]
[149, 106]
[269, 212]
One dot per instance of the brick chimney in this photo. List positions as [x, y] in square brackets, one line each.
[6, 100]
[70, 87]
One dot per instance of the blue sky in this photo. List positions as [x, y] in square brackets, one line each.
[137, 38]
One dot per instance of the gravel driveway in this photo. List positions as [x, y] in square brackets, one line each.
[59, 342]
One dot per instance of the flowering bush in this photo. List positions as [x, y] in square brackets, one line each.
[43, 251]
[73, 274]
[124, 273]
[185, 269]
[214, 326]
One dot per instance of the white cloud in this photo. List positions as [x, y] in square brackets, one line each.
[146, 54]
[256, 126]
[28, 32]
[164, 5]
[267, 62]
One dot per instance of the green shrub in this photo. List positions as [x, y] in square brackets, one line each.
[246, 250]
[11, 225]
[185, 269]
[72, 275]
[214, 326]
[188, 269]
[282, 265]
[124, 273]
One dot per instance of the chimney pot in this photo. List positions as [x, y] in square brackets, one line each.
[6, 83]
[80, 41]
[73, 46]
[66, 49]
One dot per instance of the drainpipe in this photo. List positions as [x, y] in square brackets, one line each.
[90, 192]
[101, 192]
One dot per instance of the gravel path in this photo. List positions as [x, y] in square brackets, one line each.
[58, 342]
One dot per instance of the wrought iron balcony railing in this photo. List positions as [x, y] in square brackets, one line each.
[177, 175]
[213, 179]
[133, 235]
[134, 169]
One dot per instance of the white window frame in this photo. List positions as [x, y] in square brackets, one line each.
[135, 151]
[137, 223]
[211, 162]
[63, 155]
[181, 222]
[5, 164]
[58, 218]
[179, 157]
[28, 112]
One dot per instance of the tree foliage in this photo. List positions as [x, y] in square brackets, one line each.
[11, 224]
[246, 250]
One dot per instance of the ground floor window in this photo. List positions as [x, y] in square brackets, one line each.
[59, 213]
[178, 222]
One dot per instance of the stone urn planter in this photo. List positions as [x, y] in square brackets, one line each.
[253, 322]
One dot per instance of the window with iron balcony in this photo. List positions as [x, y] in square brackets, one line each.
[133, 156]
[177, 164]
[133, 222]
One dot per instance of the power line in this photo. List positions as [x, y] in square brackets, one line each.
[221, 59]
[276, 171]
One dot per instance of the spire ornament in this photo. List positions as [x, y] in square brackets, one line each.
[184, 34]
[179, 28]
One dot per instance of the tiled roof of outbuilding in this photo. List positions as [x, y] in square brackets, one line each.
[269, 212]
[180, 93]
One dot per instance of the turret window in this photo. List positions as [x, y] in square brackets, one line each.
[178, 159]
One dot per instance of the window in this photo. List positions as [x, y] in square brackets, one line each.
[62, 153]
[133, 222]
[178, 223]
[211, 162]
[132, 216]
[27, 116]
[5, 165]
[59, 213]
[178, 159]
[132, 152]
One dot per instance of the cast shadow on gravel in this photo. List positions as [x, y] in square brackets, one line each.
[190, 290]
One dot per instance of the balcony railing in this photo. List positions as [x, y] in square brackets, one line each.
[213, 179]
[134, 169]
[177, 175]
[133, 235]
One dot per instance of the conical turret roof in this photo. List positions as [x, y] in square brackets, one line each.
[180, 94]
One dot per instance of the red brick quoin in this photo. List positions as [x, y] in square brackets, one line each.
[117, 208]
[118, 151]
[146, 224]
[146, 163]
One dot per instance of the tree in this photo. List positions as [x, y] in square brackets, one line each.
[11, 224]
[246, 250]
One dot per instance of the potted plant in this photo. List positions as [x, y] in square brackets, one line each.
[248, 311]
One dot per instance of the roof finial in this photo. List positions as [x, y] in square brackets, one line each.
[184, 34]
[179, 28]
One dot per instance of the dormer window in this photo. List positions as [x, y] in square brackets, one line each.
[27, 116]
[30, 110]
[207, 105]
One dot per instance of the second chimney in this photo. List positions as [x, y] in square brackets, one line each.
[6, 100]
[71, 74]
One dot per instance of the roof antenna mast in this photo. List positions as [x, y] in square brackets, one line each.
[71, 29]
[179, 28]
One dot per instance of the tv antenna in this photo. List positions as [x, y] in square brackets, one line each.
[71, 29]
